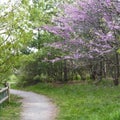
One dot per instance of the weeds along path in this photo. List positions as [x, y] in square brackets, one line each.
[35, 106]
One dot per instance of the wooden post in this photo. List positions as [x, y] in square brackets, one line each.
[8, 90]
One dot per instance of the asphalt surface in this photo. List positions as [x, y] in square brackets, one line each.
[35, 106]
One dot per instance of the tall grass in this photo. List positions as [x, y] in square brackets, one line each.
[11, 111]
[83, 102]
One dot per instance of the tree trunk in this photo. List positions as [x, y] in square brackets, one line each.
[65, 71]
[100, 71]
[93, 73]
[104, 69]
[116, 76]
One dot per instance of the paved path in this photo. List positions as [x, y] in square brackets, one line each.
[35, 106]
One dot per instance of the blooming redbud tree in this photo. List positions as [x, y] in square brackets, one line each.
[89, 29]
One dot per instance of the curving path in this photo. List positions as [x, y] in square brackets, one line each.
[35, 106]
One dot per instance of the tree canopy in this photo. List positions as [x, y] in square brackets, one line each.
[76, 39]
[15, 33]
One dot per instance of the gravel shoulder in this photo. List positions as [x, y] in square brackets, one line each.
[35, 106]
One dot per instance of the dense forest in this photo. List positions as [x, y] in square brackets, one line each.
[60, 41]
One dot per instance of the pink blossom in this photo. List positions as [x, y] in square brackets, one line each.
[88, 28]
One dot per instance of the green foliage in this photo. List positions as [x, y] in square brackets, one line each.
[13, 78]
[15, 32]
[41, 12]
[77, 77]
[35, 69]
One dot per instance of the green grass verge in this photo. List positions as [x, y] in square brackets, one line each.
[83, 102]
[11, 111]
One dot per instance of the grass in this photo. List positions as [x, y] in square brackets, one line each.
[83, 102]
[11, 111]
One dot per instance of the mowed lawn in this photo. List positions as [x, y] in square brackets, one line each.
[83, 102]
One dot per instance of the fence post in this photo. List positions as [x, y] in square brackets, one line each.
[8, 90]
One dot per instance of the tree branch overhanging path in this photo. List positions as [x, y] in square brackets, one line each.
[35, 106]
